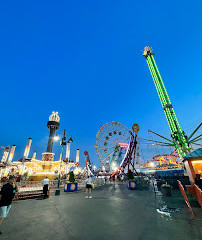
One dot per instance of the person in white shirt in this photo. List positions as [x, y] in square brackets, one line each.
[89, 184]
[45, 183]
[122, 178]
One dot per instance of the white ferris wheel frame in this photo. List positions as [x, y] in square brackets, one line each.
[99, 139]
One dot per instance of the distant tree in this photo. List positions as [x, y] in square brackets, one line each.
[71, 177]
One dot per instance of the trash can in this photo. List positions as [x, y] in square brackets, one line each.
[132, 185]
[70, 187]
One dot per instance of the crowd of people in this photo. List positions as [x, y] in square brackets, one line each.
[10, 188]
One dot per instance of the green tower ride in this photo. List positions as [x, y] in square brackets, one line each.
[179, 139]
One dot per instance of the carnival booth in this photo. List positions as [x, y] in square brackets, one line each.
[193, 165]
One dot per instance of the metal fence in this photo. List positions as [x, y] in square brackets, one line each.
[98, 182]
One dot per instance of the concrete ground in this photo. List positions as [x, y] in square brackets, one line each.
[113, 213]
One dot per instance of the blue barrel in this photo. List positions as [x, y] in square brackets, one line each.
[132, 185]
[70, 187]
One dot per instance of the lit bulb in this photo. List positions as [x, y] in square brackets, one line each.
[56, 138]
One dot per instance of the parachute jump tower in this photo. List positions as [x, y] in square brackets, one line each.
[179, 139]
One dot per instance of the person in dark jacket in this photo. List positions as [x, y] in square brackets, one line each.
[7, 194]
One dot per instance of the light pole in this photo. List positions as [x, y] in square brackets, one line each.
[62, 143]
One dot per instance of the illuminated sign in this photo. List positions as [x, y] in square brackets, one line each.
[135, 128]
[123, 145]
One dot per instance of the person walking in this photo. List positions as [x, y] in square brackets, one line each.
[89, 184]
[45, 183]
[122, 178]
[7, 194]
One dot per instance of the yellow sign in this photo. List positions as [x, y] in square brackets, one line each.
[135, 128]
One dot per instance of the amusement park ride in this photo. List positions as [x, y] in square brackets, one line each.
[88, 169]
[163, 162]
[179, 139]
[116, 146]
[35, 169]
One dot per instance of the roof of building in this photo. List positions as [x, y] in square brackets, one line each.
[197, 154]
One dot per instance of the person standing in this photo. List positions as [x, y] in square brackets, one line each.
[122, 178]
[45, 183]
[89, 184]
[113, 178]
[7, 194]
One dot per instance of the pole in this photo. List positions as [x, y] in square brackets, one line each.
[59, 177]
[50, 140]
[135, 144]
[63, 143]
[57, 192]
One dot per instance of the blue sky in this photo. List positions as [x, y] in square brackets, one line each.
[84, 60]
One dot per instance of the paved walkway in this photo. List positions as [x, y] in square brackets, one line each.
[113, 213]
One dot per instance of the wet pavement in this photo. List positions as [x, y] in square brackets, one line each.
[114, 212]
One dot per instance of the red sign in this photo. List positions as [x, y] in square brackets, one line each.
[123, 145]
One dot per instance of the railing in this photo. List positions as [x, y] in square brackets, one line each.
[198, 194]
[185, 198]
[98, 182]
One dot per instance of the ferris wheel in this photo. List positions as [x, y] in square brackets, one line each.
[112, 145]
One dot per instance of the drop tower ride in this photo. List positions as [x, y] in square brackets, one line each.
[179, 139]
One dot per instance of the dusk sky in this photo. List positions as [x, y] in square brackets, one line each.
[84, 60]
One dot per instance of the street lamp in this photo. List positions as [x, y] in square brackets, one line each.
[56, 138]
[62, 143]
[114, 166]
[70, 140]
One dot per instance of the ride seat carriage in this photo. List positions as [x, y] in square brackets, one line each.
[29, 191]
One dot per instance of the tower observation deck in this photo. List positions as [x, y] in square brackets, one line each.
[53, 125]
[179, 138]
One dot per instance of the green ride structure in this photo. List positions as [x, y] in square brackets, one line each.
[179, 139]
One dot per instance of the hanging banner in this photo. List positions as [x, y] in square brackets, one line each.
[11, 154]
